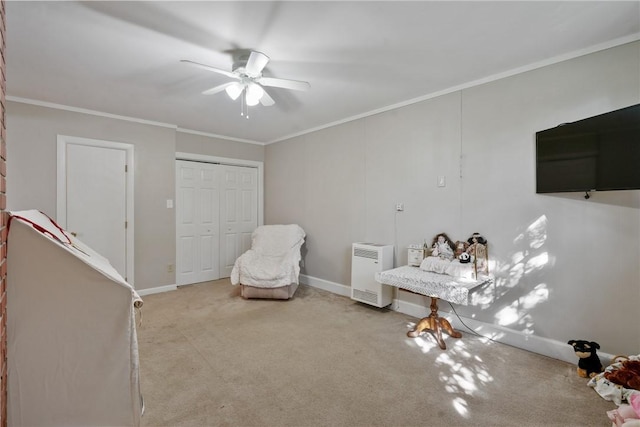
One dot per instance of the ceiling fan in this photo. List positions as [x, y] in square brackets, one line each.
[249, 81]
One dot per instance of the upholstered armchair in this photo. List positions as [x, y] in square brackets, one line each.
[270, 269]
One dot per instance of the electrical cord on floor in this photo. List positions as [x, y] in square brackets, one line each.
[467, 326]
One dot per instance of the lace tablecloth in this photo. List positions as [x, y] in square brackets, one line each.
[443, 286]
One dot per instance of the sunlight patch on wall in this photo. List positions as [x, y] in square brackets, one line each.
[537, 262]
[528, 259]
[489, 334]
[517, 312]
[535, 235]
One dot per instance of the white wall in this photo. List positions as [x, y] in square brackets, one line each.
[31, 173]
[566, 268]
[189, 142]
[31, 176]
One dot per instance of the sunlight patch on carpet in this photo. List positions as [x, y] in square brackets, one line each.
[425, 342]
[460, 405]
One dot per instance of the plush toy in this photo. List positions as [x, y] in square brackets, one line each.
[626, 415]
[461, 248]
[628, 375]
[589, 364]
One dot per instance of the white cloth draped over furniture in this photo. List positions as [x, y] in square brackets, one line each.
[434, 285]
[443, 286]
[270, 269]
[72, 353]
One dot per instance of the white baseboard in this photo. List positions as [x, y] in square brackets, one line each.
[326, 285]
[544, 346]
[157, 290]
[540, 345]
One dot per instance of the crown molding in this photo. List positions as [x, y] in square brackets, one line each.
[213, 135]
[550, 61]
[88, 111]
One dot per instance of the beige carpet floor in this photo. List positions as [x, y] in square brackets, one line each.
[210, 358]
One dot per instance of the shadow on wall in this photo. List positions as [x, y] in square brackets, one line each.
[520, 281]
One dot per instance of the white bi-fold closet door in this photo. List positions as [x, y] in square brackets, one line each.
[216, 212]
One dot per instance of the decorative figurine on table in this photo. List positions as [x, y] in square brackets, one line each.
[478, 251]
[443, 247]
[461, 248]
[474, 240]
[442, 253]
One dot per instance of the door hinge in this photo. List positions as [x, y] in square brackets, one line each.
[126, 168]
[126, 224]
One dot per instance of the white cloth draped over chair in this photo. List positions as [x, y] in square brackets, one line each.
[270, 269]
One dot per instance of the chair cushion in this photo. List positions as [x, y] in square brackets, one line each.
[276, 239]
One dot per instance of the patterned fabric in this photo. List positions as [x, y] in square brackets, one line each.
[612, 391]
[448, 288]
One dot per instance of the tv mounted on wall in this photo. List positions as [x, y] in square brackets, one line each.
[599, 153]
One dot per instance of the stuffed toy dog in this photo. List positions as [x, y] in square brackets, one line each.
[589, 364]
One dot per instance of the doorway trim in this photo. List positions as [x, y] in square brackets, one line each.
[204, 158]
[61, 188]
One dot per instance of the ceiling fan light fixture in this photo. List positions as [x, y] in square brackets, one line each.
[249, 84]
[234, 90]
[254, 94]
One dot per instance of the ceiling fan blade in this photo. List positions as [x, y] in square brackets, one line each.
[217, 89]
[256, 63]
[210, 68]
[266, 100]
[284, 83]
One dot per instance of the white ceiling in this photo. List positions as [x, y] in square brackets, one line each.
[360, 57]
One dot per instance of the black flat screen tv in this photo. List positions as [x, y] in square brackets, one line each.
[599, 153]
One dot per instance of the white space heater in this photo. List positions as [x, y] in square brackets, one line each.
[366, 260]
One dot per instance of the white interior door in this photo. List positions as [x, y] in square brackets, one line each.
[197, 222]
[239, 207]
[93, 197]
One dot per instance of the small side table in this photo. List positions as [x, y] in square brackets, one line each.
[434, 323]
[415, 257]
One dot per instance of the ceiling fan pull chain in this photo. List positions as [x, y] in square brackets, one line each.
[246, 106]
[242, 103]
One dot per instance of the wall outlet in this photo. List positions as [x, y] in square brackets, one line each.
[170, 268]
[399, 207]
